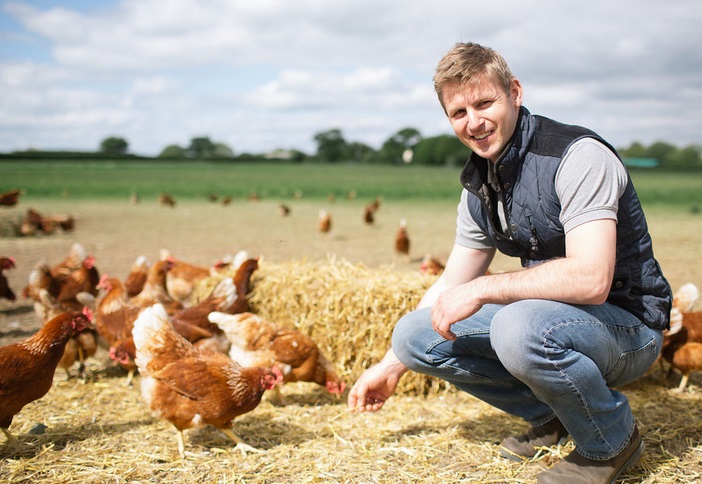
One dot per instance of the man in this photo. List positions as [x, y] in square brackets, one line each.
[549, 342]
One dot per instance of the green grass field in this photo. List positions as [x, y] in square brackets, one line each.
[117, 180]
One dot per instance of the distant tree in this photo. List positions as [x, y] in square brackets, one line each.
[660, 151]
[203, 147]
[636, 150]
[172, 151]
[222, 151]
[200, 147]
[114, 146]
[360, 152]
[394, 147]
[440, 151]
[331, 145]
[686, 159]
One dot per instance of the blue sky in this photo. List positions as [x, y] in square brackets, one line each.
[271, 73]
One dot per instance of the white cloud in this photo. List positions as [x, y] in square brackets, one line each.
[268, 74]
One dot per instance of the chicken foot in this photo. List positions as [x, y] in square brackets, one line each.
[240, 444]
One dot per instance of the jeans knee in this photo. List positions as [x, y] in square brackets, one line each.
[407, 338]
[518, 345]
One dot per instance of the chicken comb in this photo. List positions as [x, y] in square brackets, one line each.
[88, 313]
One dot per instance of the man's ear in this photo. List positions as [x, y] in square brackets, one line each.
[516, 92]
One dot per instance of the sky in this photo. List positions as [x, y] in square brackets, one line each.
[260, 75]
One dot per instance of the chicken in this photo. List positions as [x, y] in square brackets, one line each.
[27, 367]
[31, 222]
[137, 276]
[686, 297]
[686, 359]
[10, 198]
[81, 346]
[242, 284]
[123, 352]
[324, 223]
[283, 210]
[6, 263]
[183, 277]
[76, 273]
[155, 290]
[402, 241]
[114, 320]
[167, 200]
[65, 221]
[192, 322]
[369, 214]
[681, 341]
[192, 388]
[257, 342]
[40, 278]
[430, 265]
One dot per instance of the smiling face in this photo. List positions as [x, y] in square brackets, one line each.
[483, 115]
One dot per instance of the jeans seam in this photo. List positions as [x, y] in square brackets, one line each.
[586, 411]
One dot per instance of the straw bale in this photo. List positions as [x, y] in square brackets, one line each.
[349, 309]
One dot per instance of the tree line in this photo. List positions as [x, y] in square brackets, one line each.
[405, 146]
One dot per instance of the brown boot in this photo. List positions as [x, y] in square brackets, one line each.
[526, 446]
[576, 469]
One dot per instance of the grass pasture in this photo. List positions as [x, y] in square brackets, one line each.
[104, 179]
[99, 431]
[275, 180]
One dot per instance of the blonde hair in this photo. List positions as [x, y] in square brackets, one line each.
[468, 61]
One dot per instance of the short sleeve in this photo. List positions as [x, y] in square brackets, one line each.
[468, 233]
[589, 182]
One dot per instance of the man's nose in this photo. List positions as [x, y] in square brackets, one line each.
[473, 120]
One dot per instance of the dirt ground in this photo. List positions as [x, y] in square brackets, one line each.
[452, 439]
[117, 232]
[201, 232]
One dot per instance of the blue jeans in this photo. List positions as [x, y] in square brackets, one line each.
[540, 359]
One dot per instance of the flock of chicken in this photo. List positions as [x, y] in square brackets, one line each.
[201, 362]
[682, 343]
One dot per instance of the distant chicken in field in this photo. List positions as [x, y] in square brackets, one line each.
[10, 198]
[135, 280]
[192, 388]
[369, 214]
[6, 263]
[167, 200]
[283, 210]
[431, 265]
[402, 241]
[324, 223]
[27, 368]
[258, 342]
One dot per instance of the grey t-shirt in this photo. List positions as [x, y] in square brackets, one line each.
[589, 182]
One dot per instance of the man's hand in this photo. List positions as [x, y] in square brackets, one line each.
[455, 304]
[376, 385]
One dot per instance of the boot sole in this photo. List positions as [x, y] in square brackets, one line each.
[630, 462]
[513, 456]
